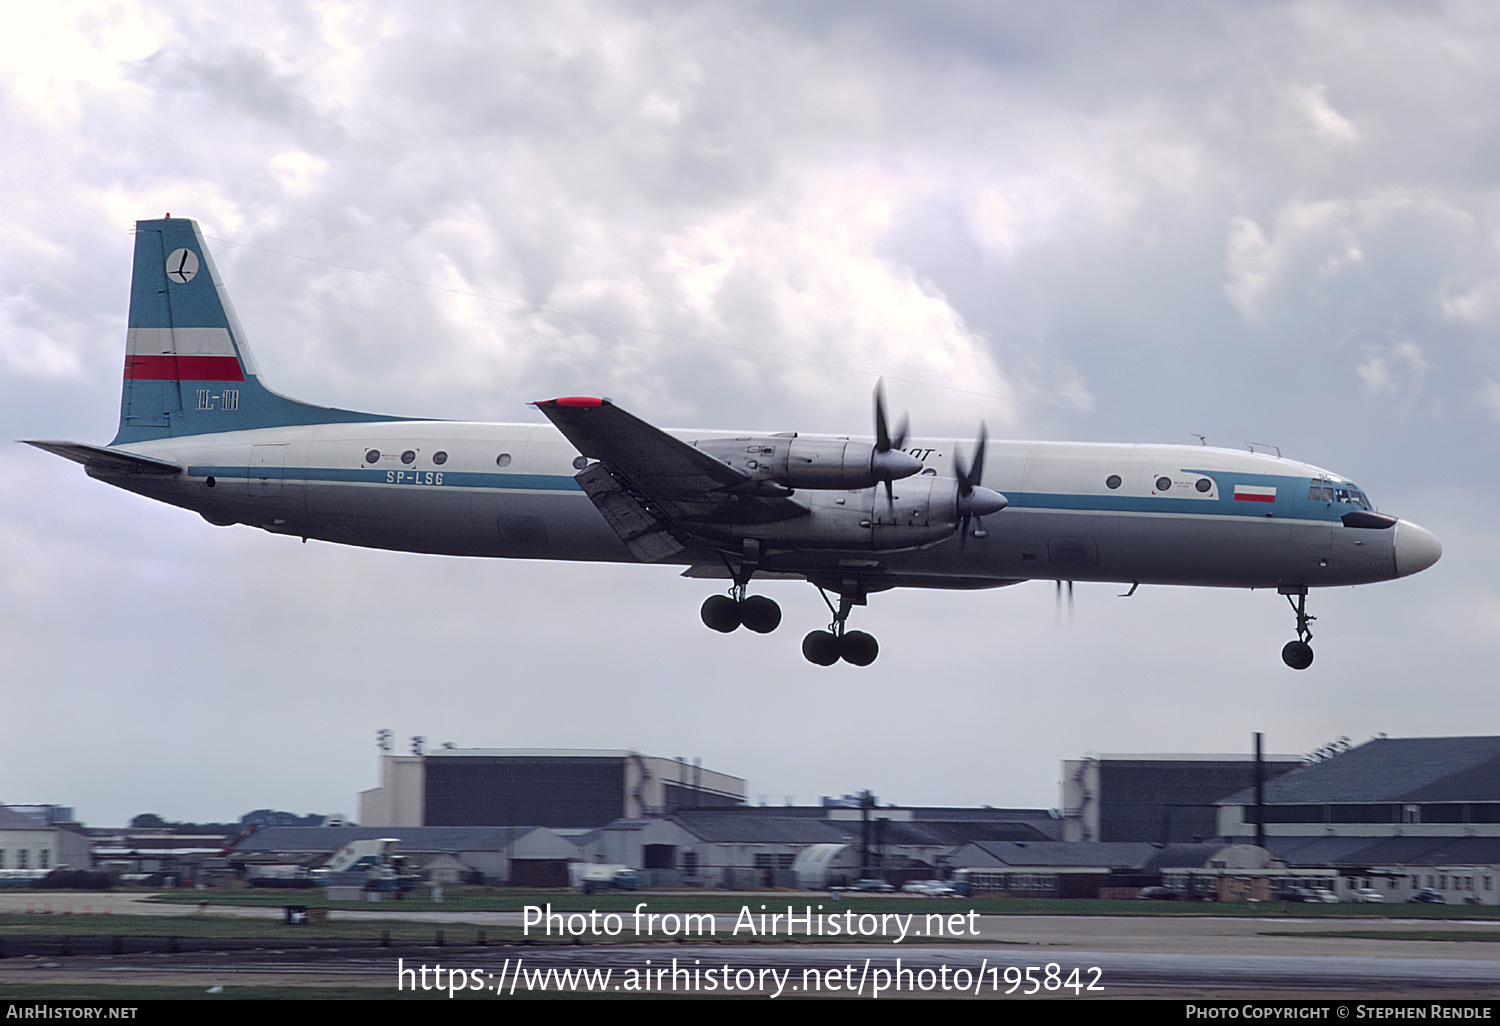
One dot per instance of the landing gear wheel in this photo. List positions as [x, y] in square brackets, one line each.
[721, 613]
[1297, 654]
[821, 647]
[858, 648]
[760, 614]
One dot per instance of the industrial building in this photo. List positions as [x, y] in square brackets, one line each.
[761, 846]
[549, 787]
[523, 856]
[33, 842]
[1161, 799]
[1396, 815]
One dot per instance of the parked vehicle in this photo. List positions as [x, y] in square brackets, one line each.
[1158, 894]
[929, 888]
[1427, 896]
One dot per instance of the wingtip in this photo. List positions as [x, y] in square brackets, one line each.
[573, 401]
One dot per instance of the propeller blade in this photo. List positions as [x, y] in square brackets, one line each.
[976, 472]
[899, 442]
[887, 461]
[882, 436]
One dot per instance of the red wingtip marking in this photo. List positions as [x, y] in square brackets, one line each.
[577, 400]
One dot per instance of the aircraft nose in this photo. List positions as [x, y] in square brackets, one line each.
[1416, 548]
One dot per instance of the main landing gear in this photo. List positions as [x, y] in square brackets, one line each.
[827, 647]
[1299, 654]
[725, 613]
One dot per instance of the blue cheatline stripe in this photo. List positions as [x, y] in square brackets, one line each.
[450, 478]
[1225, 506]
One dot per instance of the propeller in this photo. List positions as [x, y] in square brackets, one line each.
[974, 501]
[1059, 599]
[887, 461]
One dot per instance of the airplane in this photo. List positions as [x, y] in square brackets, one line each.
[199, 429]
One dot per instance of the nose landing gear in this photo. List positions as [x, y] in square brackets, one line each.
[1298, 654]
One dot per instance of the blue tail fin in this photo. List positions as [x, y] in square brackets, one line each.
[188, 368]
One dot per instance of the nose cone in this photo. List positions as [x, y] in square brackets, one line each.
[981, 502]
[1416, 548]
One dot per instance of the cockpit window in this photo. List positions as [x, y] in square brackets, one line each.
[1324, 490]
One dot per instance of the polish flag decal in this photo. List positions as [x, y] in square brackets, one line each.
[1254, 493]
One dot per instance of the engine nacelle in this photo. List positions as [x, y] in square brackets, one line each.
[924, 511]
[826, 463]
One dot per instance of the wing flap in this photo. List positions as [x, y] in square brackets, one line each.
[646, 535]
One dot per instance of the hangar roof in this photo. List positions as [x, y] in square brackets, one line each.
[1386, 851]
[1138, 855]
[734, 827]
[1413, 769]
[330, 839]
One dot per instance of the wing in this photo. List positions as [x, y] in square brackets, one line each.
[656, 483]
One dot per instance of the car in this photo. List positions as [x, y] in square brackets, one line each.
[1296, 894]
[1368, 896]
[873, 886]
[1324, 895]
[1427, 896]
[929, 888]
[1158, 894]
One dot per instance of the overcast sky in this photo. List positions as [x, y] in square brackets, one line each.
[1272, 222]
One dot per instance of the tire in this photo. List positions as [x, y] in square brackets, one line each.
[1297, 654]
[721, 613]
[760, 614]
[859, 648]
[821, 647]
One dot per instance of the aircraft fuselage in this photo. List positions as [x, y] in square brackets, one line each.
[507, 490]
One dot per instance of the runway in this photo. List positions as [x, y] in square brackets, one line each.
[1072, 957]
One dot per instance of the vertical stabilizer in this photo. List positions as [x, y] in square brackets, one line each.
[188, 368]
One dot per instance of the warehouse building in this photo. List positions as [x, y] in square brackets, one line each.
[1161, 799]
[549, 787]
[1393, 815]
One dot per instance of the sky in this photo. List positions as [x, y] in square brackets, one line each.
[1273, 223]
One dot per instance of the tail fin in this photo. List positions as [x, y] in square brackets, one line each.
[188, 368]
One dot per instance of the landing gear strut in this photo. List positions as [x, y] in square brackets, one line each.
[827, 647]
[1299, 654]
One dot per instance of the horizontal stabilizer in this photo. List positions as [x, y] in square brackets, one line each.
[109, 461]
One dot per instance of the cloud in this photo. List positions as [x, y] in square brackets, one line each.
[1270, 221]
[1393, 368]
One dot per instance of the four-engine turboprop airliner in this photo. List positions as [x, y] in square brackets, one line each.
[199, 430]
